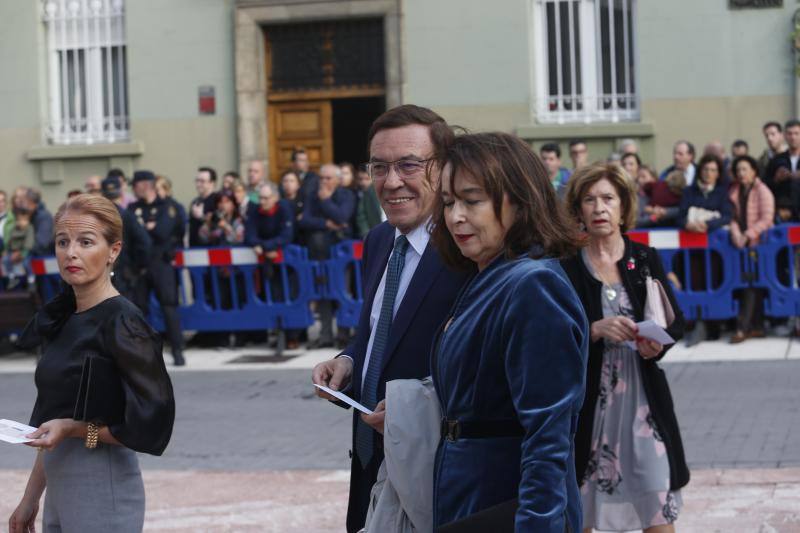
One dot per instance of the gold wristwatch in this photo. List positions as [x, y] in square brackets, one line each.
[92, 434]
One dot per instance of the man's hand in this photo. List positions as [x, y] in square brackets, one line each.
[258, 250]
[785, 214]
[376, 419]
[334, 374]
[782, 174]
[197, 210]
[331, 225]
[272, 256]
[325, 191]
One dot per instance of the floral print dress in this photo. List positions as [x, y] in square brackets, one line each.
[626, 483]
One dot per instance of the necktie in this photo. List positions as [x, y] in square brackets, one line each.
[364, 433]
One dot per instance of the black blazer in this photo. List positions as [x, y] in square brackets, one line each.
[781, 190]
[637, 262]
[425, 305]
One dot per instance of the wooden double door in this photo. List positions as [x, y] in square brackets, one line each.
[307, 124]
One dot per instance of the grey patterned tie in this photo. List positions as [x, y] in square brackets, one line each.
[364, 433]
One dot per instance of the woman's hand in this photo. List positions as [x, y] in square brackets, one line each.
[376, 419]
[697, 227]
[739, 241]
[615, 329]
[50, 434]
[647, 348]
[23, 519]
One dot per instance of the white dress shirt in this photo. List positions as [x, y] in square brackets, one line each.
[418, 240]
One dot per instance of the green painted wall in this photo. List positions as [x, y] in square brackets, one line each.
[174, 47]
[465, 52]
[701, 49]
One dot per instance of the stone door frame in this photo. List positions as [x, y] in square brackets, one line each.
[250, 77]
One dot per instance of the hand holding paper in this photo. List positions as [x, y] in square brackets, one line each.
[652, 331]
[14, 432]
[345, 398]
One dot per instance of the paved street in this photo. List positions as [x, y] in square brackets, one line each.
[255, 450]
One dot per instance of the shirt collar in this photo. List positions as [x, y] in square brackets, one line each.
[418, 237]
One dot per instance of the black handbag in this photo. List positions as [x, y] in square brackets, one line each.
[100, 395]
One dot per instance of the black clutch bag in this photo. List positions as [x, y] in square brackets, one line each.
[497, 519]
[100, 396]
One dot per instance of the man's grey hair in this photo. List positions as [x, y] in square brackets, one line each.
[273, 188]
[624, 143]
[336, 168]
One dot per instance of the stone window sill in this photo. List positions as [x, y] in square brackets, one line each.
[85, 151]
[586, 131]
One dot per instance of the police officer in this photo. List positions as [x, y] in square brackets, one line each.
[159, 219]
[136, 243]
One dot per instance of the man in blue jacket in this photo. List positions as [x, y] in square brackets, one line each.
[326, 220]
[407, 289]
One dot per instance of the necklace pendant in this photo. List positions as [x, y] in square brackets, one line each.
[611, 294]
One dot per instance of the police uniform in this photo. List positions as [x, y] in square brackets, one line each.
[160, 274]
[136, 244]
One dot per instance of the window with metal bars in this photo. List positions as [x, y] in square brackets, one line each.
[326, 55]
[87, 77]
[585, 61]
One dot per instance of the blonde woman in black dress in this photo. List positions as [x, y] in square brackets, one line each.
[90, 469]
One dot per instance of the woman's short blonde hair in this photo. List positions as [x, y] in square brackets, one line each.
[583, 180]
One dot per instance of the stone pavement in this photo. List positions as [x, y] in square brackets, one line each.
[254, 450]
[303, 501]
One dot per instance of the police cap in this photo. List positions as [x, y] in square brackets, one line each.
[143, 175]
[110, 187]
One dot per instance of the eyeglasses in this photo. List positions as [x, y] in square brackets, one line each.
[405, 168]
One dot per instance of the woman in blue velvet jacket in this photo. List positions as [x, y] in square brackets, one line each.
[509, 364]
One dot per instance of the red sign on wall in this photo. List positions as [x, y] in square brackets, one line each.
[206, 101]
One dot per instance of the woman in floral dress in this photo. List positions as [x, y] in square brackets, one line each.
[629, 456]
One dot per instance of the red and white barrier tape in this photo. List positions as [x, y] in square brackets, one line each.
[670, 239]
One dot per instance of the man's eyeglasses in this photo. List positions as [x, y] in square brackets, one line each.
[405, 168]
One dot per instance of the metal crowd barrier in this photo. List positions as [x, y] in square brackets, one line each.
[232, 289]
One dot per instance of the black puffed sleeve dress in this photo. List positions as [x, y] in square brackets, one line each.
[101, 489]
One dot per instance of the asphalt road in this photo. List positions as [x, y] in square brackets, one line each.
[732, 415]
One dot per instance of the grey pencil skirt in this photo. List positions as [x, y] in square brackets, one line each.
[92, 491]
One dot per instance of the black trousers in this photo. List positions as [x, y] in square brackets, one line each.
[360, 487]
[160, 278]
[751, 310]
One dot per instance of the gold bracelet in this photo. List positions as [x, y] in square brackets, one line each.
[92, 434]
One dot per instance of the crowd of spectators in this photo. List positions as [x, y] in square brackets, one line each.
[303, 208]
[745, 194]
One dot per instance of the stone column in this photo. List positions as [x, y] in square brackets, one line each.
[251, 91]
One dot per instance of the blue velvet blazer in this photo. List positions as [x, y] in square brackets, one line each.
[515, 349]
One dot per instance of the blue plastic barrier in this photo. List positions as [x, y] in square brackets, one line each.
[713, 298]
[342, 275]
[229, 290]
[779, 271]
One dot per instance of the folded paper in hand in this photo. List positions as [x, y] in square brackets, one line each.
[14, 432]
[650, 330]
[345, 398]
